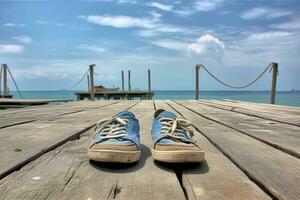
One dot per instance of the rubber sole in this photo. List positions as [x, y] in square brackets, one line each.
[178, 156]
[114, 156]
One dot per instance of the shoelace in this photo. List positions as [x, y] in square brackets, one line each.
[112, 127]
[176, 128]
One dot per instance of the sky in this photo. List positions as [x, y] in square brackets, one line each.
[48, 45]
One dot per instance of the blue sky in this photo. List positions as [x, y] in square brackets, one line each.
[49, 44]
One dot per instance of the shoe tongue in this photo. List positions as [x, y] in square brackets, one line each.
[167, 114]
[125, 114]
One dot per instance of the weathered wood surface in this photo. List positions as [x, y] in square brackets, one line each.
[10, 118]
[217, 177]
[276, 171]
[22, 143]
[285, 110]
[241, 161]
[254, 110]
[29, 101]
[280, 135]
[66, 173]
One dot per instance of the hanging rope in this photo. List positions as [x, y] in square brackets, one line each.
[235, 86]
[80, 80]
[14, 82]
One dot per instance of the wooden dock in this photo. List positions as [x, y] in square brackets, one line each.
[17, 103]
[252, 152]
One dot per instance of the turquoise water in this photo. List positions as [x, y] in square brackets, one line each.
[283, 98]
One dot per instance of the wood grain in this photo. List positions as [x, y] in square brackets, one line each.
[12, 118]
[255, 111]
[278, 173]
[217, 177]
[20, 144]
[66, 173]
[282, 136]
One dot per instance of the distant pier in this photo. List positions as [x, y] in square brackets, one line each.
[107, 95]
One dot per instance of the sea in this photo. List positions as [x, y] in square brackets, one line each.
[289, 98]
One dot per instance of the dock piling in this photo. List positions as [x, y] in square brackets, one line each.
[197, 68]
[92, 88]
[88, 82]
[149, 80]
[122, 74]
[274, 81]
[129, 83]
[5, 85]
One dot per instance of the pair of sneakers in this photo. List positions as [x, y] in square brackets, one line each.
[117, 139]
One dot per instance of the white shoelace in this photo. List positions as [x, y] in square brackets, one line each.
[112, 127]
[176, 128]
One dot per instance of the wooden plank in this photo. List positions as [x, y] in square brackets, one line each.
[284, 137]
[272, 169]
[217, 177]
[10, 101]
[20, 144]
[25, 116]
[269, 107]
[66, 173]
[254, 111]
[45, 107]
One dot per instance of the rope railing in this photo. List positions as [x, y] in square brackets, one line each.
[15, 83]
[91, 73]
[12, 77]
[77, 83]
[238, 86]
[272, 66]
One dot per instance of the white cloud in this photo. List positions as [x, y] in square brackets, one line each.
[150, 25]
[260, 48]
[269, 35]
[23, 39]
[170, 8]
[120, 21]
[160, 6]
[207, 5]
[127, 1]
[171, 44]
[92, 48]
[294, 24]
[14, 25]
[207, 44]
[11, 48]
[268, 13]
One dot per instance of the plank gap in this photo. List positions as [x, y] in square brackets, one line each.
[258, 182]
[234, 109]
[276, 146]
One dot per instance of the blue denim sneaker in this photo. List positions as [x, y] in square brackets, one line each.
[116, 139]
[172, 139]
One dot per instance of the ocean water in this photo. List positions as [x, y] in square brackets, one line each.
[282, 98]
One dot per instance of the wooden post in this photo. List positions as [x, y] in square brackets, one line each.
[149, 80]
[1, 69]
[5, 85]
[122, 74]
[88, 82]
[129, 84]
[274, 81]
[92, 88]
[197, 67]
